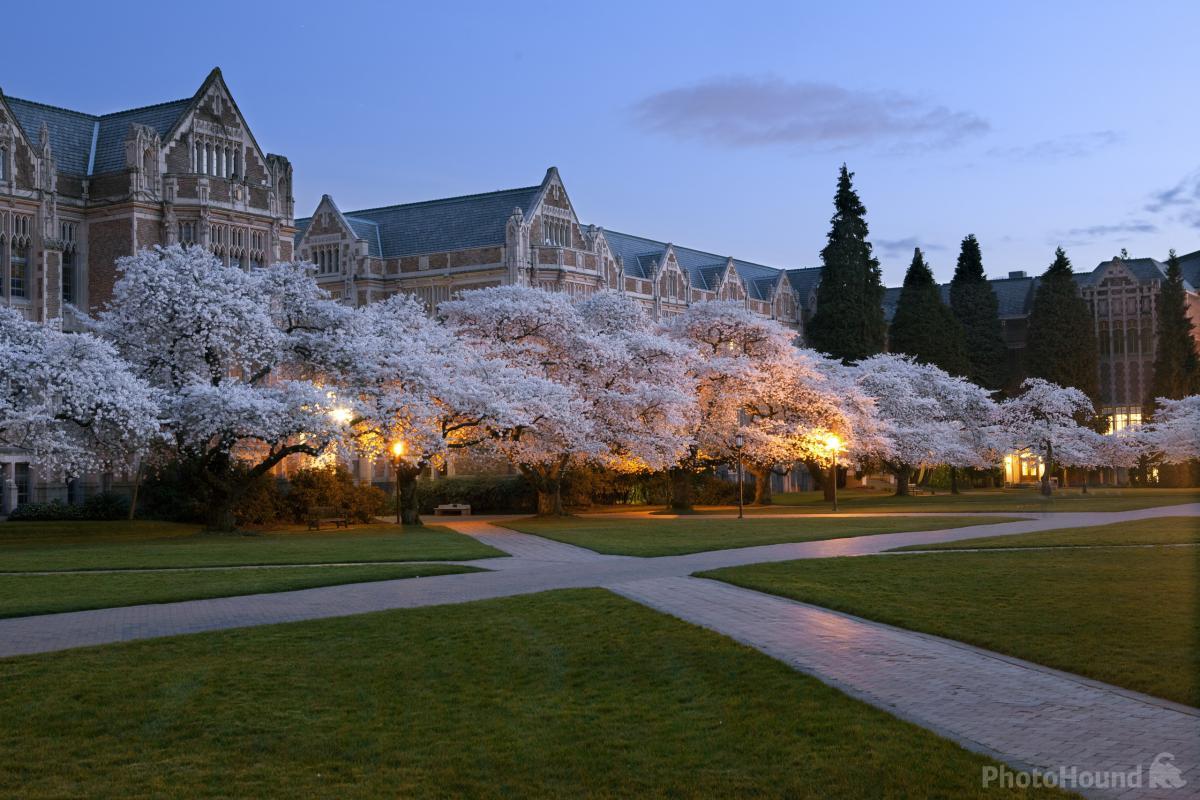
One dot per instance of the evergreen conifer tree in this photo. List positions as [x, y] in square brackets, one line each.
[848, 323]
[1176, 365]
[976, 308]
[924, 327]
[1061, 344]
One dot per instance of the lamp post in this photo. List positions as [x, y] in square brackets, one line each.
[738, 442]
[397, 461]
[834, 444]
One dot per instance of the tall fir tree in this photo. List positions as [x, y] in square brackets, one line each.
[976, 308]
[848, 323]
[1176, 365]
[924, 327]
[1061, 344]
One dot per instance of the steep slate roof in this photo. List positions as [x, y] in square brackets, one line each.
[89, 144]
[433, 226]
[804, 280]
[1190, 266]
[703, 269]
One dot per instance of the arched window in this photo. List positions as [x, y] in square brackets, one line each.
[3, 163]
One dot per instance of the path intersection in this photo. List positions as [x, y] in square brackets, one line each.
[1026, 715]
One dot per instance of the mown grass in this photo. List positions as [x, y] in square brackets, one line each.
[668, 537]
[48, 546]
[563, 694]
[999, 500]
[1123, 615]
[1161, 530]
[25, 595]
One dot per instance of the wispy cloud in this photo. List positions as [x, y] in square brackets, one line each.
[1074, 145]
[1183, 196]
[746, 112]
[894, 248]
[1115, 232]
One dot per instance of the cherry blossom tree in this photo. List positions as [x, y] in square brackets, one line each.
[752, 383]
[1174, 435]
[1049, 420]
[934, 418]
[69, 400]
[592, 391]
[413, 392]
[234, 355]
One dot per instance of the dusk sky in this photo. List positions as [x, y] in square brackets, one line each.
[1030, 125]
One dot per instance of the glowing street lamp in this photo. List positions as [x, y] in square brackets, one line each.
[397, 449]
[341, 415]
[833, 444]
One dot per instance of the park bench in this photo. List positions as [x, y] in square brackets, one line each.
[327, 514]
[452, 510]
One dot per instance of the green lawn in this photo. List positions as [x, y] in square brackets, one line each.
[1002, 500]
[23, 595]
[562, 694]
[46, 546]
[1122, 615]
[1163, 530]
[670, 537]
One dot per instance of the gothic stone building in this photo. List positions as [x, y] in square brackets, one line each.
[79, 190]
[529, 236]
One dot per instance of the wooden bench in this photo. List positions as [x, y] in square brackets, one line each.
[319, 514]
[452, 510]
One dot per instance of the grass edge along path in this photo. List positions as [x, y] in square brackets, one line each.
[547, 695]
[652, 537]
[1122, 615]
[40, 546]
[28, 595]
[1136, 533]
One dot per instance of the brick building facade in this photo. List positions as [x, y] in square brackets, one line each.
[529, 236]
[79, 190]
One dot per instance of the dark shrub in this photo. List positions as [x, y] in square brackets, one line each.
[262, 503]
[490, 494]
[103, 506]
[710, 490]
[45, 512]
[332, 487]
[168, 492]
[106, 505]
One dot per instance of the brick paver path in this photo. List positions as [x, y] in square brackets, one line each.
[1021, 713]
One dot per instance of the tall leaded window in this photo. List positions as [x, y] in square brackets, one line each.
[3, 163]
[19, 270]
[68, 276]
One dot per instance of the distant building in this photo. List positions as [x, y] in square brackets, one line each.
[79, 190]
[530, 236]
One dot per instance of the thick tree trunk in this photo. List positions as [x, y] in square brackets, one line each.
[903, 474]
[549, 498]
[762, 486]
[681, 490]
[953, 480]
[410, 511]
[137, 483]
[1047, 468]
[220, 512]
[820, 478]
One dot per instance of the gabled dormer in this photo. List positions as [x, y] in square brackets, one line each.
[330, 241]
[730, 286]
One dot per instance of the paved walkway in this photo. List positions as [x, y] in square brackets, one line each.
[1021, 713]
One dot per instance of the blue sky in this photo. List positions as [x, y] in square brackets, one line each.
[718, 127]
